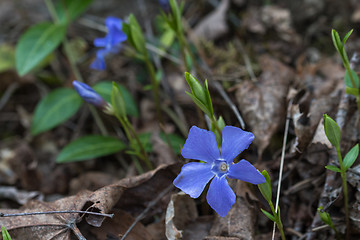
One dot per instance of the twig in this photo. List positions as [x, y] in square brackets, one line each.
[220, 89]
[8, 93]
[54, 212]
[150, 205]
[282, 162]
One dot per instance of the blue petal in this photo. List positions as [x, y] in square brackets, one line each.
[193, 178]
[201, 145]
[88, 94]
[220, 196]
[244, 171]
[113, 22]
[116, 36]
[98, 64]
[101, 42]
[234, 141]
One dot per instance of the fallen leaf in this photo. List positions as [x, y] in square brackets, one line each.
[263, 104]
[213, 25]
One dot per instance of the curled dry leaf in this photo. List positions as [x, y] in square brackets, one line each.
[321, 94]
[130, 193]
[263, 104]
[180, 212]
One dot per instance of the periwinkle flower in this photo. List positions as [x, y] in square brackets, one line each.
[110, 43]
[165, 5]
[89, 95]
[201, 145]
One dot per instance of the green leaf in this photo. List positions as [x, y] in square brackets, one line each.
[175, 140]
[196, 88]
[346, 37]
[5, 233]
[55, 108]
[136, 35]
[265, 188]
[176, 12]
[348, 81]
[7, 57]
[167, 38]
[104, 89]
[332, 131]
[333, 168]
[90, 147]
[336, 40]
[269, 215]
[145, 141]
[36, 44]
[117, 101]
[350, 157]
[69, 10]
[325, 217]
[352, 91]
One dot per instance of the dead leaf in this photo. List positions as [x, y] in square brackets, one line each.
[116, 226]
[20, 196]
[240, 221]
[180, 212]
[263, 104]
[213, 25]
[131, 194]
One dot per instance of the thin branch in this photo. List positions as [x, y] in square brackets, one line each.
[150, 205]
[282, 162]
[54, 212]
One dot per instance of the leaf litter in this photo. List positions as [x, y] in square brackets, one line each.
[286, 67]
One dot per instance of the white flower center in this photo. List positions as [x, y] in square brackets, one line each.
[223, 167]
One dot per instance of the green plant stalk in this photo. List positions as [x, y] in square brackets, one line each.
[345, 190]
[99, 122]
[215, 123]
[278, 221]
[348, 69]
[131, 135]
[155, 88]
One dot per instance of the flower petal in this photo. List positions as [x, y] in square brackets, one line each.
[245, 171]
[88, 94]
[113, 22]
[201, 145]
[98, 64]
[220, 196]
[101, 42]
[234, 142]
[193, 178]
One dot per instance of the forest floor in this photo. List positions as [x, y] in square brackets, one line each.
[274, 61]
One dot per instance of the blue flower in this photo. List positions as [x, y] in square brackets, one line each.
[194, 176]
[89, 95]
[165, 5]
[110, 43]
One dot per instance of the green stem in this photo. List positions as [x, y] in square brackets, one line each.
[353, 83]
[75, 70]
[155, 88]
[278, 221]
[345, 191]
[131, 135]
[51, 8]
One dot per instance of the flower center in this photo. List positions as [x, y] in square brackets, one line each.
[223, 167]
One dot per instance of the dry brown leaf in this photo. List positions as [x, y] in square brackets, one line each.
[263, 104]
[115, 228]
[214, 25]
[180, 212]
[131, 193]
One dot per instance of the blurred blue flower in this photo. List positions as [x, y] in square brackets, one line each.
[89, 95]
[110, 43]
[201, 145]
[165, 5]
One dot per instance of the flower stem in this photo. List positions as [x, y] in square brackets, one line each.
[277, 221]
[353, 83]
[345, 191]
[155, 88]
